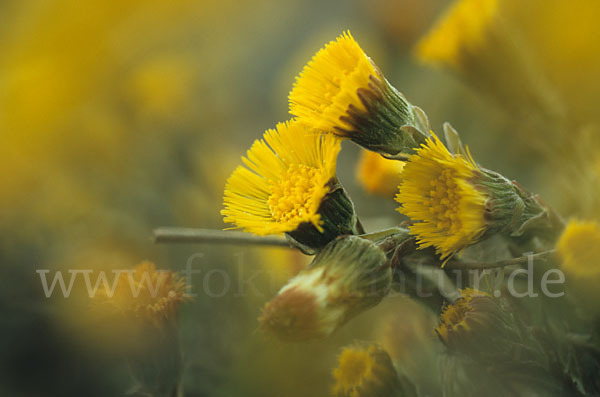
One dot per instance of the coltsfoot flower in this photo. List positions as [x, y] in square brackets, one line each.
[145, 302]
[438, 193]
[473, 40]
[579, 250]
[474, 312]
[346, 277]
[366, 370]
[461, 30]
[342, 91]
[481, 326]
[289, 185]
[486, 341]
[454, 203]
[147, 293]
[378, 175]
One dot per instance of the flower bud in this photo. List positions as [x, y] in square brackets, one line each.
[347, 277]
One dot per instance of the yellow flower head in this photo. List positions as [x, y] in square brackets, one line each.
[287, 175]
[579, 248]
[342, 91]
[147, 293]
[328, 85]
[438, 194]
[365, 370]
[461, 29]
[479, 325]
[454, 318]
[378, 175]
[355, 365]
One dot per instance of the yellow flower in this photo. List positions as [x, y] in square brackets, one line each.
[162, 87]
[366, 370]
[479, 326]
[285, 180]
[144, 304]
[289, 186]
[378, 175]
[438, 194]
[327, 86]
[484, 338]
[455, 318]
[579, 248]
[147, 293]
[343, 92]
[354, 366]
[461, 29]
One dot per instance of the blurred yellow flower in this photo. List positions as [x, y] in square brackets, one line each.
[281, 264]
[378, 175]
[579, 248]
[286, 177]
[162, 85]
[366, 370]
[354, 366]
[147, 293]
[461, 29]
[437, 193]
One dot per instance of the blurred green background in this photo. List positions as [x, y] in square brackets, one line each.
[120, 116]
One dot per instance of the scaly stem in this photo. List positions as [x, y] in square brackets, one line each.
[199, 236]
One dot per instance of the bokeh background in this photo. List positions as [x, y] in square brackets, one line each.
[120, 116]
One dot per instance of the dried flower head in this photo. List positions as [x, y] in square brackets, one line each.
[289, 186]
[378, 175]
[366, 370]
[462, 29]
[347, 277]
[343, 92]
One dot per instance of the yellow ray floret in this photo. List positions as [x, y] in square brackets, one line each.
[461, 28]
[438, 195]
[284, 181]
[579, 248]
[328, 85]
